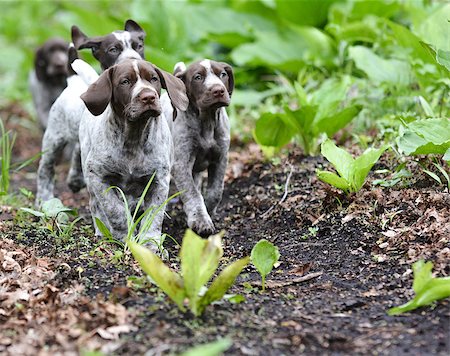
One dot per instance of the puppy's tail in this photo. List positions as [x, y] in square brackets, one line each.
[79, 67]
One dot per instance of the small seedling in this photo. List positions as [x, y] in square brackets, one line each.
[427, 288]
[352, 172]
[199, 261]
[264, 256]
[55, 217]
[214, 348]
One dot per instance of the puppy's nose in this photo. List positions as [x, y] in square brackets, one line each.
[147, 97]
[218, 91]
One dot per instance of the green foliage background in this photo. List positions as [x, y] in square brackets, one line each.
[391, 53]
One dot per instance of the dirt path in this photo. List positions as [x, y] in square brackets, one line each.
[356, 254]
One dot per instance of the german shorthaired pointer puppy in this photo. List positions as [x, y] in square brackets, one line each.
[49, 77]
[65, 114]
[201, 137]
[125, 139]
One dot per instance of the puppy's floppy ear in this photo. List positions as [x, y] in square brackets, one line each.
[175, 88]
[132, 26]
[40, 64]
[227, 68]
[99, 94]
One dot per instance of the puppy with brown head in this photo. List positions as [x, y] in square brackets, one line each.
[125, 139]
[201, 136]
[49, 77]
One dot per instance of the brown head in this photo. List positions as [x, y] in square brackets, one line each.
[133, 87]
[209, 84]
[50, 62]
[115, 47]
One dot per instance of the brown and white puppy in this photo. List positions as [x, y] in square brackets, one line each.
[49, 77]
[65, 114]
[125, 139]
[201, 137]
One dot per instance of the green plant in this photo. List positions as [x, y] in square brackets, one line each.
[264, 256]
[430, 136]
[199, 260]
[352, 172]
[319, 112]
[214, 348]
[427, 288]
[6, 145]
[55, 217]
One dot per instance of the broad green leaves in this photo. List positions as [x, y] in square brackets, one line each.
[352, 172]
[426, 288]
[264, 255]
[320, 111]
[430, 136]
[379, 69]
[199, 261]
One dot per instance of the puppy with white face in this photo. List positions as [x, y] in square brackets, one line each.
[125, 139]
[201, 136]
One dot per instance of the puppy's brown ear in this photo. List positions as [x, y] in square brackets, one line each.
[227, 68]
[132, 26]
[40, 64]
[78, 37]
[99, 93]
[175, 88]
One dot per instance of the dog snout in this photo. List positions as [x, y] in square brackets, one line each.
[147, 97]
[218, 91]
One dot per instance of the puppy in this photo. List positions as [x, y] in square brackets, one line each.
[125, 139]
[64, 116]
[49, 77]
[201, 137]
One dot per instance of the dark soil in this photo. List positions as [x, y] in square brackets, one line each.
[357, 251]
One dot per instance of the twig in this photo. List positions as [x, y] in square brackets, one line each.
[278, 284]
[286, 191]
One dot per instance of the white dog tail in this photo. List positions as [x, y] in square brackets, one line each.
[85, 71]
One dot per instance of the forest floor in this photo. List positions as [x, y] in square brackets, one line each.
[344, 261]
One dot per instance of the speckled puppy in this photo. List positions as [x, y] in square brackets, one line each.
[201, 137]
[128, 141]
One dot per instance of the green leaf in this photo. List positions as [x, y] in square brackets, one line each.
[166, 279]
[447, 156]
[430, 136]
[331, 91]
[341, 160]
[422, 274]
[199, 260]
[334, 180]
[378, 69]
[363, 164]
[443, 58]
[264, 255]
[103, 229]
[33, 212]
[273, 130]
[311, 13]
[210, 349]
[427, 288]
[222, 283]
[332, 124]
[434, 29]
[54, 206]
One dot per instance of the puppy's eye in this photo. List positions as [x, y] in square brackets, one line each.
[139, 46]
[125, 82]
[154, 79]
[223, 74]
[113, 50]
[198, 77]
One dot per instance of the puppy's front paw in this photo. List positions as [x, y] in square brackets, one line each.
[202, 225]
[75, 183]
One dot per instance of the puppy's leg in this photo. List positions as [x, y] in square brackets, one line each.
[108, 207]
[214, 190]
[198, 218]
[157, 199]
[75, 178]
[52, 144]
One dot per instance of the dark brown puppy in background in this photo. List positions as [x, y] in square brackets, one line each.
[49, 77]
